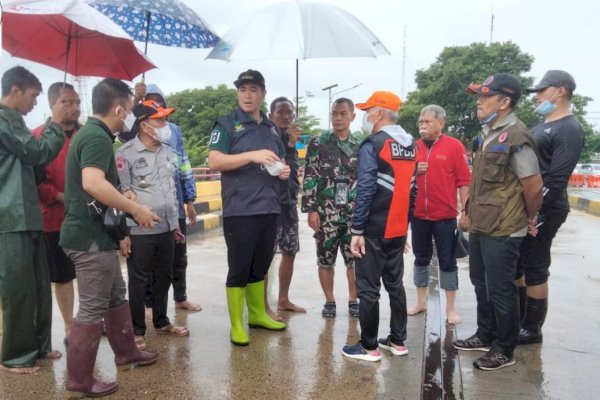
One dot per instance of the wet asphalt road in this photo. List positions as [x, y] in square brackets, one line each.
[305, 361]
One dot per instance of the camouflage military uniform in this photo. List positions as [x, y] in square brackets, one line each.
[329, 163]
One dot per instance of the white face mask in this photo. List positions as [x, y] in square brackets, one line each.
[162, 134]
[128, 122]
[366, 125]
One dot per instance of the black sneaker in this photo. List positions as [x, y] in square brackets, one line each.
[471, 343]
[494, 360]
[353, 309]
[397, 349]
[328, 310]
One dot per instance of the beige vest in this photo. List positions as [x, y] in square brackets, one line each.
[496, 204]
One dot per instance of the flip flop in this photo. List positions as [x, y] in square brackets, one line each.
[174, 330]
[140, 343]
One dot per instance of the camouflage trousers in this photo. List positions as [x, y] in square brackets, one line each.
[330, 238]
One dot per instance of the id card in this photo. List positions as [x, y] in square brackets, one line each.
[342, 188]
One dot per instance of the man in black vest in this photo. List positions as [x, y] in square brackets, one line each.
[246, 147]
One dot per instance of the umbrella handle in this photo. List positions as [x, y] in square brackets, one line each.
[148, 16]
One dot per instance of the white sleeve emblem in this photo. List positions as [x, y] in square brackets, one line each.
[214, 137]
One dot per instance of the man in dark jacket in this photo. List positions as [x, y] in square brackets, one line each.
[247, 148]
[385, 198]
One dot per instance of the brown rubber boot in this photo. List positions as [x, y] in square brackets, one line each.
[119, 331]
[84, 340]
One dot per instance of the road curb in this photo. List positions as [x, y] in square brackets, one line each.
[206, 222]
[585, 205]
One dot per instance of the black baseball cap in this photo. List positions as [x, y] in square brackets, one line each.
[250, 76]
[503, 83]
[556, 78]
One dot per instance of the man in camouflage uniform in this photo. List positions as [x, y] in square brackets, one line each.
[328, 195]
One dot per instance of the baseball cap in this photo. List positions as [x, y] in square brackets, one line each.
[250, 76]
[503, 83]
[382, 99]
[556, 78]
[149, 109]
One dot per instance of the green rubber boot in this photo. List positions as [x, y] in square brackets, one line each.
[235, 302]
[257, 315]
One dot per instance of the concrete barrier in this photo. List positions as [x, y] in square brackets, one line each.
[586, 205]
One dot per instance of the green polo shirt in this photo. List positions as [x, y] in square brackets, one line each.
[91, 147]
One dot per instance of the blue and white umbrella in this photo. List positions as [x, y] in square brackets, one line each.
[164, 22]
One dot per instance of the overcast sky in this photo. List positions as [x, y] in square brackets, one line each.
[559, 34]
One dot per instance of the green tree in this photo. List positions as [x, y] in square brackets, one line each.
[592, 138]
[197, 111]
[444, 83]
[308, 122]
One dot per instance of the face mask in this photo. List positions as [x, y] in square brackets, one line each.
[546, 107]
[366, 125]
[489, 119]
[128, 122]
[162, 134]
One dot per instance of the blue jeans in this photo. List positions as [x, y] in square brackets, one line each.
[492, 267]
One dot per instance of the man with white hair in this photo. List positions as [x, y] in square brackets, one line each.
[442, 168]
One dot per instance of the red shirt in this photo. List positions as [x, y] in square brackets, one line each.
[447, 171]
[53, 212]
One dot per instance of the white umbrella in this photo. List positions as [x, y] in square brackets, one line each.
[298, 30]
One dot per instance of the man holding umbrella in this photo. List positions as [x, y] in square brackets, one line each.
[25, 291]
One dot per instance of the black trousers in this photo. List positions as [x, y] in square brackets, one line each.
[141, 267]
[180, 263]
[250, 247]
[535, 259]
[383, 261]
[492, 268]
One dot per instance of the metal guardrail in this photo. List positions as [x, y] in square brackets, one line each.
[206, 174]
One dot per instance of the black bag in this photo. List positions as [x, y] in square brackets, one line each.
[118, 223]
[461, 244]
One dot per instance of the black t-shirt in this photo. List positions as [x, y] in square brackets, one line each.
[559, 147]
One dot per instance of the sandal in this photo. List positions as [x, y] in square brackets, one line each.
[140, 342]
[174, 330]
[354, 309]
[329, 310]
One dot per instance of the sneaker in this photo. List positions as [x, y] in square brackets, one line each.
[494, 360]
[358, 352]
[353, 309]
[471, 343]
[328, 310]
[397, 349]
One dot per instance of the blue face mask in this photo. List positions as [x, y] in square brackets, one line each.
[491, 117]
[545, 108]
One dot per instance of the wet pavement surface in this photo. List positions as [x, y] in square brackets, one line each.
[305, 361]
